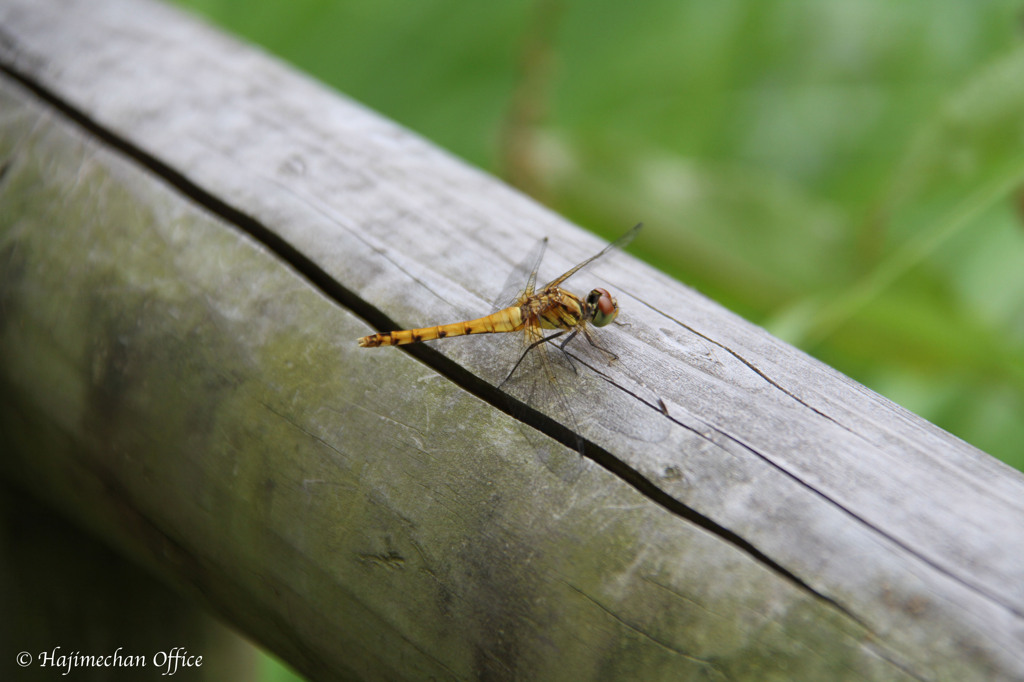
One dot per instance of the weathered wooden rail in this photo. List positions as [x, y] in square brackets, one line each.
[192, 236]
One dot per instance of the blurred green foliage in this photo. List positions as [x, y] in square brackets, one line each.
[847, 173]
[273, 670]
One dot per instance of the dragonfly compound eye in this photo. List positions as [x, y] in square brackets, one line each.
[604, 307]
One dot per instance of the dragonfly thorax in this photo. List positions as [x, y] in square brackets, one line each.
[556, 309]
[560, 309]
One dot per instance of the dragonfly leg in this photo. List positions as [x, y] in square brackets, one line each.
[568, 357]
[595, 344]
[528, 349]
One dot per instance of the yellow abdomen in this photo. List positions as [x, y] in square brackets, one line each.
[507, 320]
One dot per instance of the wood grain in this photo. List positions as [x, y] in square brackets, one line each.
[193, 236]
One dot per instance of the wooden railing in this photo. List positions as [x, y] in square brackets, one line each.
[192, 238]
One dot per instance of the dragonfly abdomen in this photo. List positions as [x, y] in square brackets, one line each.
[507, 320]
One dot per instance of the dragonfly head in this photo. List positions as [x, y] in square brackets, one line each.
[603, 308]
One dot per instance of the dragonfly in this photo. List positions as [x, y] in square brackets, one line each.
[532, 312]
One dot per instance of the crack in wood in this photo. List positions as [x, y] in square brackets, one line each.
[643, 633]
[752, 367]
[993, 597]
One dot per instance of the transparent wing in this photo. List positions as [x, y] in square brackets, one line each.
[619, 243]
[548, 377]
[543, 380]
[523, 278]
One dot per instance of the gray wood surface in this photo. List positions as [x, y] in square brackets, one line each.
[192, 237]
